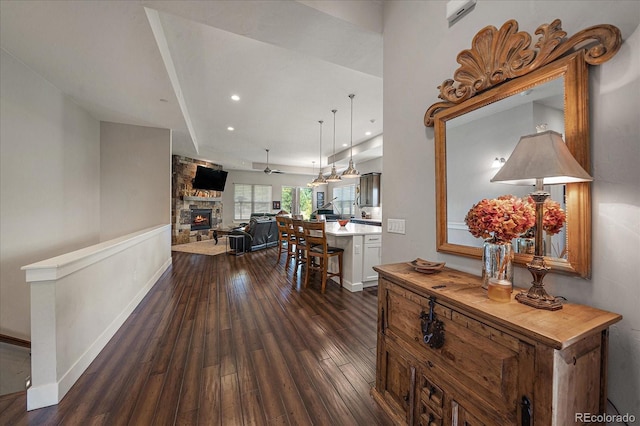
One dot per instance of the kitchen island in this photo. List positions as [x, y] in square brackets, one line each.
[362, 246]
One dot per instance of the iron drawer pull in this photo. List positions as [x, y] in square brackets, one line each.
[526, 412]
[432, 328]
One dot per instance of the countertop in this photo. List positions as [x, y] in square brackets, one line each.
[334, 229]
[377, 222]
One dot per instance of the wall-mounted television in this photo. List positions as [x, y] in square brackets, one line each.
[209, 179]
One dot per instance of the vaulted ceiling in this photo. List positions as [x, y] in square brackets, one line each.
[176, 64]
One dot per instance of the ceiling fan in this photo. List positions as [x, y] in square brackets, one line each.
[267, 170]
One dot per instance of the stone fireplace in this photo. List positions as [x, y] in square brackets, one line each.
[195, 215]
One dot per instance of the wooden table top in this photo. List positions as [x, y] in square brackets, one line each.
[558, 329]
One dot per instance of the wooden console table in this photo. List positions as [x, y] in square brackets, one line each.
[448, 355]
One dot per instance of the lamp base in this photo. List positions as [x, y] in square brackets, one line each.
[551, 304]
[537, 297]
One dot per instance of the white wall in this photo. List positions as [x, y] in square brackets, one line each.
[63, 176]
[50, 183]
[135, 178]
[364, 14]
[419, 53]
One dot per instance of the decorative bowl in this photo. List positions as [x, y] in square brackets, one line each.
[426, 266]
[343, 222]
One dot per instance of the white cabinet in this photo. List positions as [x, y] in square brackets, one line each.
[362, 249]
[372, 256]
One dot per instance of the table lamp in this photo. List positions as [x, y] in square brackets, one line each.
[540, 159]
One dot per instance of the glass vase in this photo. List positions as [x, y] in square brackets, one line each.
[526, 245]
[497, 262]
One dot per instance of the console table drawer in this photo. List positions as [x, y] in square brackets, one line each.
[403, 310]
[483, 369]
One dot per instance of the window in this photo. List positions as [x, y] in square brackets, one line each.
[346, 198]
[297, 200]
[249, 199]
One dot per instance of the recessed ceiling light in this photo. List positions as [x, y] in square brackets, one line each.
[235, 97]
[231, 129]
[345, 144]
[367, 133]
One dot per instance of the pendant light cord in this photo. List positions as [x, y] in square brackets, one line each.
[351, 148]
[320, 166]
[351, 172]
[334, 137]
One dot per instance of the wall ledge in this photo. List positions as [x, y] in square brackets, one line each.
[60, 266]
[79, 300]
[209, 199]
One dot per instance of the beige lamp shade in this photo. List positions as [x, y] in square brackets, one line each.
[541, 156]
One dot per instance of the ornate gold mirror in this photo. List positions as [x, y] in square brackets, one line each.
[502, 91]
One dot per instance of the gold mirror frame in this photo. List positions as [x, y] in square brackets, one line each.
[501, 64]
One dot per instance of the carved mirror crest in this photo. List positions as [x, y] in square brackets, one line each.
[501, 91]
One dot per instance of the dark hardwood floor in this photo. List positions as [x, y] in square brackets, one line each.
[223, 340]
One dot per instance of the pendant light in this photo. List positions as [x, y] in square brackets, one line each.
[351, 172]
[312, 184]
[320, 180]
[334, 176]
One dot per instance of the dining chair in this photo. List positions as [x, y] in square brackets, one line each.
[319, 252]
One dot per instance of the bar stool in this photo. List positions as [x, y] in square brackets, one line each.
[319, 250]
[301, 244]
[291, 242]
[285, 239]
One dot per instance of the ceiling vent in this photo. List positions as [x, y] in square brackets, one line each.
[456, 9]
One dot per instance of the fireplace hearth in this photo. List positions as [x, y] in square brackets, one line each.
[200, 219]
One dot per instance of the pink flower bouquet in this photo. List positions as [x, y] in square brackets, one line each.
[553, 217]
[501, 219]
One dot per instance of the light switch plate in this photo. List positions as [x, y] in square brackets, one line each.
[395, 226]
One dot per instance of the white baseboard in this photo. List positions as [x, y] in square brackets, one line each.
[352, 287]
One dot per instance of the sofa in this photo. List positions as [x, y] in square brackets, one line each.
[261, 232]
[263, 215]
